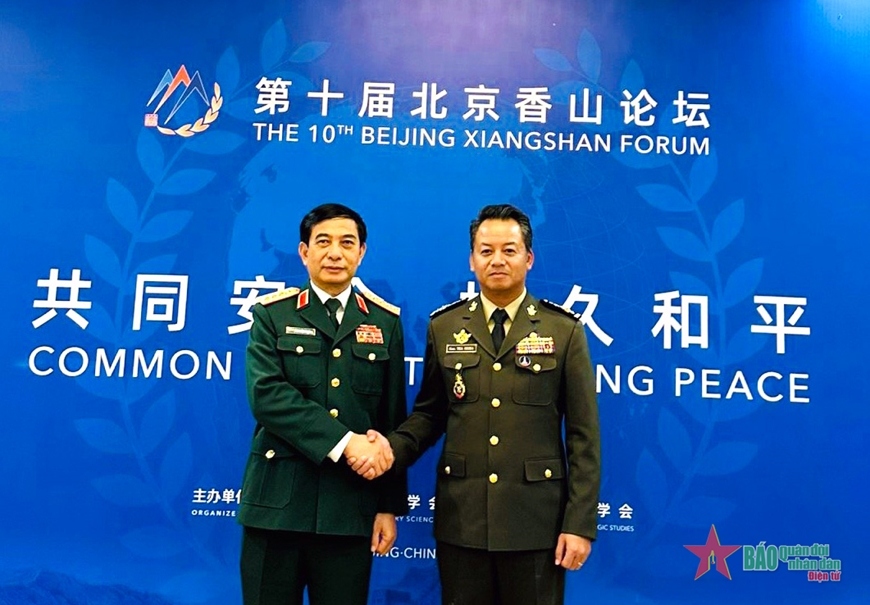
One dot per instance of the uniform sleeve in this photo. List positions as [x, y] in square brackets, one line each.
[393, 496]
[428, 420]
[581, 438]
[276, 404]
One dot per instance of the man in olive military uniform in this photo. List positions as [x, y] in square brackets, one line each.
[324, 365]
[503, 374]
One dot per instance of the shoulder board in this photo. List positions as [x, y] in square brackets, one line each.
[268, 299]
[369, 295]
[446, 307]
[557, 307]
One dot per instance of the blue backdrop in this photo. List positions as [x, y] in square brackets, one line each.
[697, 179]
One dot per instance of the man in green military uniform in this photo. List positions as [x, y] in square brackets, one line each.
[324, 365]
[504, 373]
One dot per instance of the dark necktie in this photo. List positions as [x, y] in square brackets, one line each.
[333, 305]
[499, 316]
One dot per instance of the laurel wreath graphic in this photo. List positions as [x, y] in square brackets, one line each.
[202, 124]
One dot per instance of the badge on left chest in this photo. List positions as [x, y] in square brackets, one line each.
[369, 334]
[536, 345]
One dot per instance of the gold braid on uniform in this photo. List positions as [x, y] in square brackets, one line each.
[556, 307]
[268, 299]
[364, 290]
[447, 307]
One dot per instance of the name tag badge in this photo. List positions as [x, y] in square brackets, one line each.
[297, 331]
[472, 348]
[369, 334]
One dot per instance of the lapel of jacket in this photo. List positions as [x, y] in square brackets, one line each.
[522, 324]
[312, 311]
[353, 317]
[475, 322]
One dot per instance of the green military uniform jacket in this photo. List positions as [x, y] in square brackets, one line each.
[307, 387]
[507, 480]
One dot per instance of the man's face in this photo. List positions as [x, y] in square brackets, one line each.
[332, 254]
[500, 260]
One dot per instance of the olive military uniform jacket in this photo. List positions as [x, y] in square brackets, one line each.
[506, 478]
[308, 385]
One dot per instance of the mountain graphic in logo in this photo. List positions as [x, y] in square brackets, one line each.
[180, 87]
[170, 83]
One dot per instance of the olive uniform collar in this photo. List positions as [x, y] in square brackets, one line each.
[524, 321]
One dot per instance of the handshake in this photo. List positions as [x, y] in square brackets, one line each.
[369, 455]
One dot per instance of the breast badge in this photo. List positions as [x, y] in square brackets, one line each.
[536, 345]
[461, 337]
[369, 334]
[459, 386]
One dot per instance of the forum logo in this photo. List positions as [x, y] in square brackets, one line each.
[175, 91]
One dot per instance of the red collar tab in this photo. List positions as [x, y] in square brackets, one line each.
[361, 303]
[302, 299]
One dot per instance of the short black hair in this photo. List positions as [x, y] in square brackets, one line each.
[503, 212]
[324, 212]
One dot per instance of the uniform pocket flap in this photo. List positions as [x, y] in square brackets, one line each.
[371, 352]
[269, 446]
[452, 465]
[536, 363]
[462, 360]
[301, 345]
[544, 469]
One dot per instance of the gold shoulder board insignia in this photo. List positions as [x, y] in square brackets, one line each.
[375, 298]
[557, 307]
[268, 299]
[446, 307]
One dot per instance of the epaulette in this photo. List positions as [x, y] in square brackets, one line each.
[268, 299]
[557, 307]
[447, 307]
[375, 298]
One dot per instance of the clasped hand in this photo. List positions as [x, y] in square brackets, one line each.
[369, 455]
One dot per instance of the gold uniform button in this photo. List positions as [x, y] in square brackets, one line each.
[372, 356]
[336, 352]
[548, 473]
[333, 412]
[496, 367]
[446, 470]
[300, 349]
[493, 478]
[270, 454]
[335, 382]
[536, 367]
[493, 440]
[458, 366]
[496, 402]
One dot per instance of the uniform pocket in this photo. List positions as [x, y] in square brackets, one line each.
[544, 469]
[270, 472]
[369, 368]
[452, 465]
[462, 377]
[301, 358]
[536, 382]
